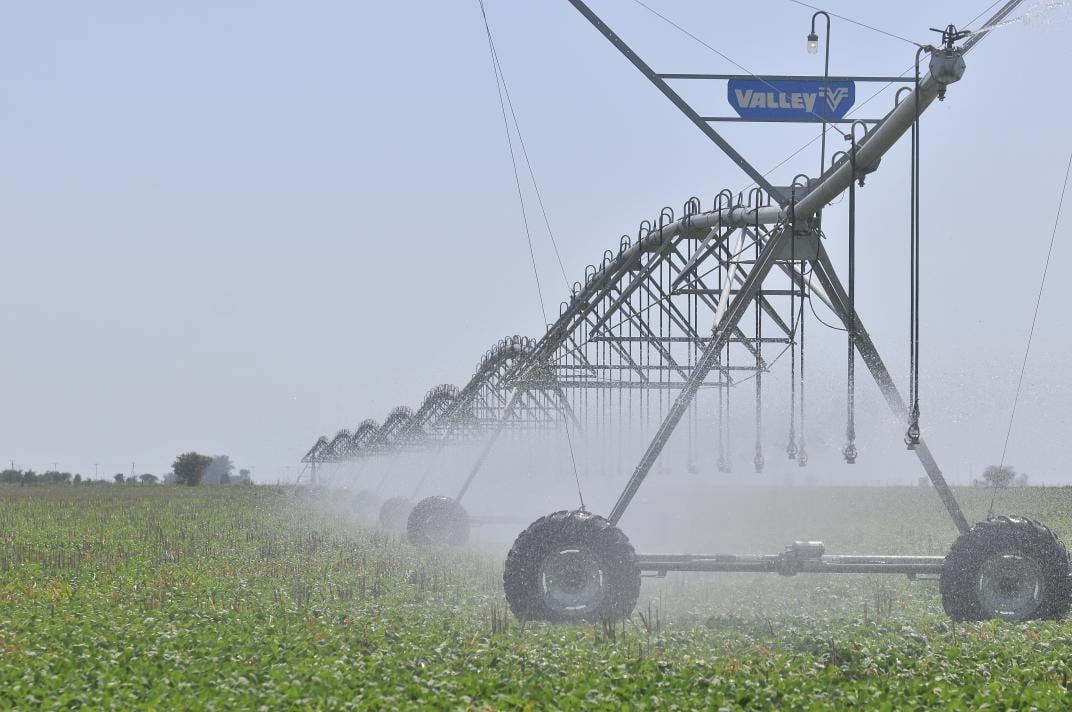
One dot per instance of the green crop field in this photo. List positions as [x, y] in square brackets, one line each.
[253, 597]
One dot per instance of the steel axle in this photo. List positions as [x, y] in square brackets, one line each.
[790, 563]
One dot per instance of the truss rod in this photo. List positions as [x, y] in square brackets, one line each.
[619, 44]
[724, 326]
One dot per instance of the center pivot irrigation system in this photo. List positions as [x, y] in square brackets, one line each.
[709, 301]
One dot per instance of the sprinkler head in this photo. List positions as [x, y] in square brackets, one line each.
[850, 452]
[758, 462]
[947, 61]
[802, 458]
[911, 438]
[791, 450]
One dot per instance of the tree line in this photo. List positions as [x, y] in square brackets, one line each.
[189, 468]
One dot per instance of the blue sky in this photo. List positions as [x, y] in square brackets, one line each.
[233, 227]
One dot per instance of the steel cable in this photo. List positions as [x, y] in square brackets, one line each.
[1034, 321]
[500, 85]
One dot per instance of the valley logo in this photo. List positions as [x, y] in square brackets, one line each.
[806, 100]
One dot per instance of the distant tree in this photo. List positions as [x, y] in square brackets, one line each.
[1021, 480]
[10, 477]
[119, 478]
[54, 477]
[190, 467]
[29, 477]
[148, 479]
[998, 476]
[77, 479]
[245, 477]
[225, 479]
[221, 465]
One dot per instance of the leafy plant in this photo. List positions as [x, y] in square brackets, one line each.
[252, 597]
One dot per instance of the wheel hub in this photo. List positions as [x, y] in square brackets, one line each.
[1010, 585]
[572, 581]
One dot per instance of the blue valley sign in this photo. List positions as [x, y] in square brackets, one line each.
[791, 99]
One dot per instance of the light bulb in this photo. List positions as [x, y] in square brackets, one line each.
[813, 43]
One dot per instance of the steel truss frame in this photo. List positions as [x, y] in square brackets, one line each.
[788, 215]
[448, 415]
[627, 344]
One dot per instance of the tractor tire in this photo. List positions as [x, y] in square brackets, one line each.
[571, 566]
[1006, 567]
[437, 520]
[394, 513]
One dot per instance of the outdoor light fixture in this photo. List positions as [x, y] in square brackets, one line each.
[813, 48]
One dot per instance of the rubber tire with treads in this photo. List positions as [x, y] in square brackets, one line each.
[521, 574]
[960, 576]
[437, 520]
